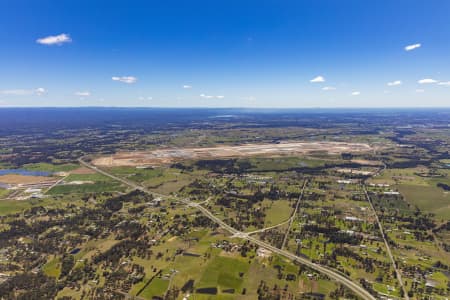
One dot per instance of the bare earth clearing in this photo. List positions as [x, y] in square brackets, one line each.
[23, 179]
[170, 155]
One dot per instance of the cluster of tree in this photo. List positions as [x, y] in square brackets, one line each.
[136, 196]
[367, 263]
[124, 248]
[275, 293]
[342, 293]
[443, 186]
[24, 286]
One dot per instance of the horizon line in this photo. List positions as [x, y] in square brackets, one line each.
[233, 107]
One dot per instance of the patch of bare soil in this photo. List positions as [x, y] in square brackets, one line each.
[171, 155]
[22, 179]
[82, 170]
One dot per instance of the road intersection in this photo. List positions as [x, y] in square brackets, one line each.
[338, 277]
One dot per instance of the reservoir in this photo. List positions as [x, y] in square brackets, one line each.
[24, 172]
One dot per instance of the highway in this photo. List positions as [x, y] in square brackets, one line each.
[356, 288]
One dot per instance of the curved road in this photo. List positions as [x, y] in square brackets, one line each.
[356, 288]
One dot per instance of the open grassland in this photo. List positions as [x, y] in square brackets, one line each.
[420, 191]
[428, 198]
[97, 187]
[224, 273]
[52, 268]
[277, 211]
[261, 164]
[13, 206]
[157, 287]
[4, 193]
[46, 167]
[87, 183]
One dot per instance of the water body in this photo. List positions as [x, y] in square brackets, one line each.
[24, 172]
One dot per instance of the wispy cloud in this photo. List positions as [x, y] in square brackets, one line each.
[426, 80]
[317, 79]
[83, 94]
[186, 86]
[444, 83]
[412, 47]
[394, 83]
[356, 93]
[55, 39]
[125, 79]
[328, 88]
[24, 92]
[249, 98]
[211, 96]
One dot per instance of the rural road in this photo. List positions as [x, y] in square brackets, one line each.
[356, 288]
[388, 249]
[294, 214]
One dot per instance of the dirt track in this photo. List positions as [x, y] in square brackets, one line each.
[170, 155]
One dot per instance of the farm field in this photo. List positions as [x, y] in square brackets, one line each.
[134, 227]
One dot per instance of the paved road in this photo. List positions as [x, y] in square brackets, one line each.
[388, 249]
[356, 288]
[294, 214]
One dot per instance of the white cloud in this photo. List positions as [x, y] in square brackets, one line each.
[186, 86]
[24, 92]
[444, 83]
[426, 80]
[55, 39]
[83, 94]
[206, 96]
[318, 79]
[328, 88]
[356, 93]
[394, 83]
[125, 79]
[40, 91]
[412, 47]
[211, 96]
[420, 91]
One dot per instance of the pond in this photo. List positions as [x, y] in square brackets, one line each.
[24, 172]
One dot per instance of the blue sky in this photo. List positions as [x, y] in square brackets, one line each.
[225, 53]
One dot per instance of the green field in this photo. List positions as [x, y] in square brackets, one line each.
[13, 206]
[157, 287]
[278, 211]
[224, 273]
[428, 198]
[101, 183]
[87, 188]
[4, 193]
[52, 268]
[46, 167]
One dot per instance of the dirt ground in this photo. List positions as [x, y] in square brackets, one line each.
[21, 179]
[170, 155]
[82, 171]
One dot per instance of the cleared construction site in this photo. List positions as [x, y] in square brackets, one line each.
[171, 155]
